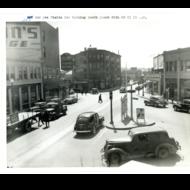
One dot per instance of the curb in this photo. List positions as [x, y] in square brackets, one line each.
[128, 128]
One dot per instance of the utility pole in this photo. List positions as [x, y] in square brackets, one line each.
[111, 107]
[131, 102]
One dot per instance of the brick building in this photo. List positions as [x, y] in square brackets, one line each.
[32, 62]
[94, 68]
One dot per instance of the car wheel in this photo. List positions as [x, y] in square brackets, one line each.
[114, 159]
[163, 153]
[189, 111]
[175, 108]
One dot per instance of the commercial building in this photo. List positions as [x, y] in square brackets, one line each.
[156, 76]
[32, 62]
[177, 73]
[94, 68]
[170, 75]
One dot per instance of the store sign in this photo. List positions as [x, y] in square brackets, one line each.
[22, 36]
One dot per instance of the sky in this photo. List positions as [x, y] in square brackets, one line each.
[148, 33]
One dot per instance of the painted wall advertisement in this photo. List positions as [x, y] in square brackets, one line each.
[23, 41]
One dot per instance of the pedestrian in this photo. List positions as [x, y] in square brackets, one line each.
[100, 99]
[40, 118]
[46, 118]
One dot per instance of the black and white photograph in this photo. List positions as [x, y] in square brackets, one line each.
[98, 88]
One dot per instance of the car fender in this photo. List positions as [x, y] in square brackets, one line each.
[117, 150]
[169, 146]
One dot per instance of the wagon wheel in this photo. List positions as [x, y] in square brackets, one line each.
[28, 126]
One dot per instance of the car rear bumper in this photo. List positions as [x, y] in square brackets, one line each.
[83, 131]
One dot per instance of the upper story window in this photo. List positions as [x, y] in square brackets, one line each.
[43, 36]
[31, 73]
[7, 73]
[20, 73]
[175, 66]
[44, 51]
[12, 72]
[182, 65]
[39, 72]
[188, 65]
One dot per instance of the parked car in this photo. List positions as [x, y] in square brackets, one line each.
[55, 109]
[140, 142]
[184, 105]
[38, 106]
[123, 90]
[71, 100]
[95, 91]
[156, 101]
[88, 122]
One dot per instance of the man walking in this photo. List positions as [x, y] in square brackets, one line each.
[100, 99]
[40, 118]
[46, 118]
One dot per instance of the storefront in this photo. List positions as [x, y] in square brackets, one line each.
[22, 97]
[171, 88]
[185, 88]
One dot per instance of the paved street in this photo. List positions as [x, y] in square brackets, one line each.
[58, 146]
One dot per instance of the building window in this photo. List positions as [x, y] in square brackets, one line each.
[7, 73]
[25, 72]
[25, 97]
[39, 73]
[33, 94]
[166, 66]
[20, 76]
[31, 73]
[12, 74]
[175, 66]
[187, 65]
[43, 36]
[44, 51]
[170, 65]
[182, 68]
[35, 72]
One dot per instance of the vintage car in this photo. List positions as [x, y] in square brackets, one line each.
[156, 101]
[140, 142]
[55, 109]
[88, 122]
[70, 100]
[182, 106]
[38, 106]
[123, 90]
[95, 91]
